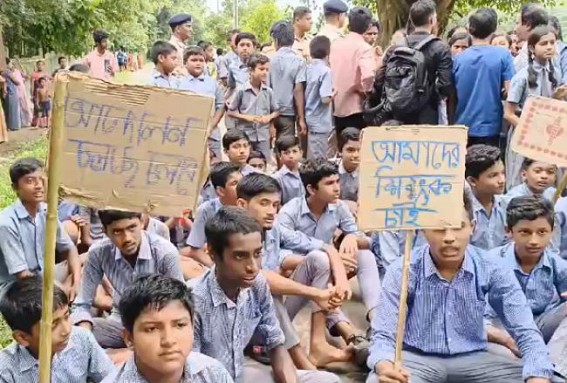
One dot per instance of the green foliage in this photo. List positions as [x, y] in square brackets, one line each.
[260, 17]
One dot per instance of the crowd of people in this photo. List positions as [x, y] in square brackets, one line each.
[204, 297]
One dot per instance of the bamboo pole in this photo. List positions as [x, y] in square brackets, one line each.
[403, 299]
[562, 185]
[55, 148]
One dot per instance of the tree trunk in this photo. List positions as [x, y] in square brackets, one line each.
[393, 15]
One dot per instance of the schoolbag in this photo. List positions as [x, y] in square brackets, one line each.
[406, 84]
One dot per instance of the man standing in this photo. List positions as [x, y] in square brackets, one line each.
[101, 62]
[353, 66]
[335, 17]
[302, 23]
[181, 30]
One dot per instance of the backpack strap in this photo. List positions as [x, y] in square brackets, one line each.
[424, 42]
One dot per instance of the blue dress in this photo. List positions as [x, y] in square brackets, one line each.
[11, 104]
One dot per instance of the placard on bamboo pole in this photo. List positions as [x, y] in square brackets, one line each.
[53, 176]
[411, 177]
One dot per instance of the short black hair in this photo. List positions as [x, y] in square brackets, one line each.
[161, 48]
[220, 51]
[152, 292]
[81, 68]
[556, 25]
[285, 143]
[220, 173]
[300, 11]
[282, 33]
[376, 23]
[527, 162]
[421, 11]
[228, 221]
[460, 36]
[533, 15]
[348, 134]
[21, 304]
[99, 35]
[483, 23]
[231, 136]
[109, 216]
[254, 184]
[257, 59]
[192, 51]
[479, 158]
[529, 208]
[255, 155]
[320, 47]
[495, 35]
[453, 30]
[205, 44]
[22, 167]
[61, 58]
[312, 171]
[359, 18]
[246, 36]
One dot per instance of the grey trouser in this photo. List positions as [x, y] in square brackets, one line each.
[285, 126]
[291, 337]
[215, 149]
[108, 332]
[317, 145]
[256, 372]
[264, 148]
[475, 367]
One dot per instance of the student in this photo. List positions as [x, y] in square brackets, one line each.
[230, 56]
[319, 215]
[257, 161]
[349, 147]
[260, 195]
[560, 236]
[501, 39]
[542, 274]
[459, 42]
[287, 80]
[318, 98]
[288, 150]
[450, 285]
[22, 232]
[196, 81]
[238, 69]
[253, 106]
[539, 178]
[157, 315]
[126, 253]
[236, 146]
[485, 174]
[164, 56]
[224, 178]
[76, 356]
[480, 74]
[235, 243]
[537, 79]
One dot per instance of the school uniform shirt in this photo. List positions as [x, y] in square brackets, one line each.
[520, 90]
[287, 69]
[247, 101]
[207, 86]
[155, 256]
[479, 74]
[199, 368]
[90, 215]
[159, 79]
[446, 318]
[546, 282]
[237, 73]
[521, 61]
[349, 183]
[223, 328]
[197, 238]
[81, 361]
[490, 229]
[296, 216]
[225, 62]
[560, 240]
[290, 182]
[22, 241]
[157, 227]
[389, 245]
[319, 84]
[523, 190]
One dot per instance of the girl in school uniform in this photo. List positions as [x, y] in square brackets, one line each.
[539, 78]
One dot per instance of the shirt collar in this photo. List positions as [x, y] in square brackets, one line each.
[200, 78]
[342, 170]
[27, 360]
[217, 293]
[477, 206]
[21, 211]
[176, 41]
[304, 208]
[538, 67]
[510, 257]
[355, 36]
[145, 251]
[431, 269]
[248, 86]
[157, 74]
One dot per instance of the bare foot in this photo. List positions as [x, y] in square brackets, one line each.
[323, 354]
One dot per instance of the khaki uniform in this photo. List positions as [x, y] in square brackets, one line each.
[301, 47]
[332, 32]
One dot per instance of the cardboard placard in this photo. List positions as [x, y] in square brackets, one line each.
[542, 131]
[411, 177]
[137, 148]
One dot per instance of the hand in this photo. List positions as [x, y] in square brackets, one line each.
[511, 345]
[560, 93]
[350, 263]
[302, 127]
[251, 118]
[79, 221]
[378, 51]
[349, 245]
[272, 132]
[387, 373]
[342, 287]
[327, 299]
[264, 120]
[119, 356]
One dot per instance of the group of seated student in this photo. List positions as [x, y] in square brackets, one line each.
[486, 301]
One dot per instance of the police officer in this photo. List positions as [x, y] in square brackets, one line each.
[335, 18]
[181, 31]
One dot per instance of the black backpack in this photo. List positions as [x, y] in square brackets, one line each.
[407, 89]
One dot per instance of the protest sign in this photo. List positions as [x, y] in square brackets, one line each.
[411, 177]
[542, 131]
[130, 147]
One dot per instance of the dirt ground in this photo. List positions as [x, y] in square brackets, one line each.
[17, 138]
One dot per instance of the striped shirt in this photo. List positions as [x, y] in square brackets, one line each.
[156, 256]
[199, 368]
[224, 328]
[447, 317]
[490, 229]
[197, 238]
[290, 182]
[523, 190]
[82, 359]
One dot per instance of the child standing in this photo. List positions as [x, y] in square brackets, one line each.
[44, 102]
[164, 56]
[253, 107]
[288, 150]
[538, 79]
[318, 98]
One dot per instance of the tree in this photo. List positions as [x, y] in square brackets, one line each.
[393, 14]
[260, 17]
